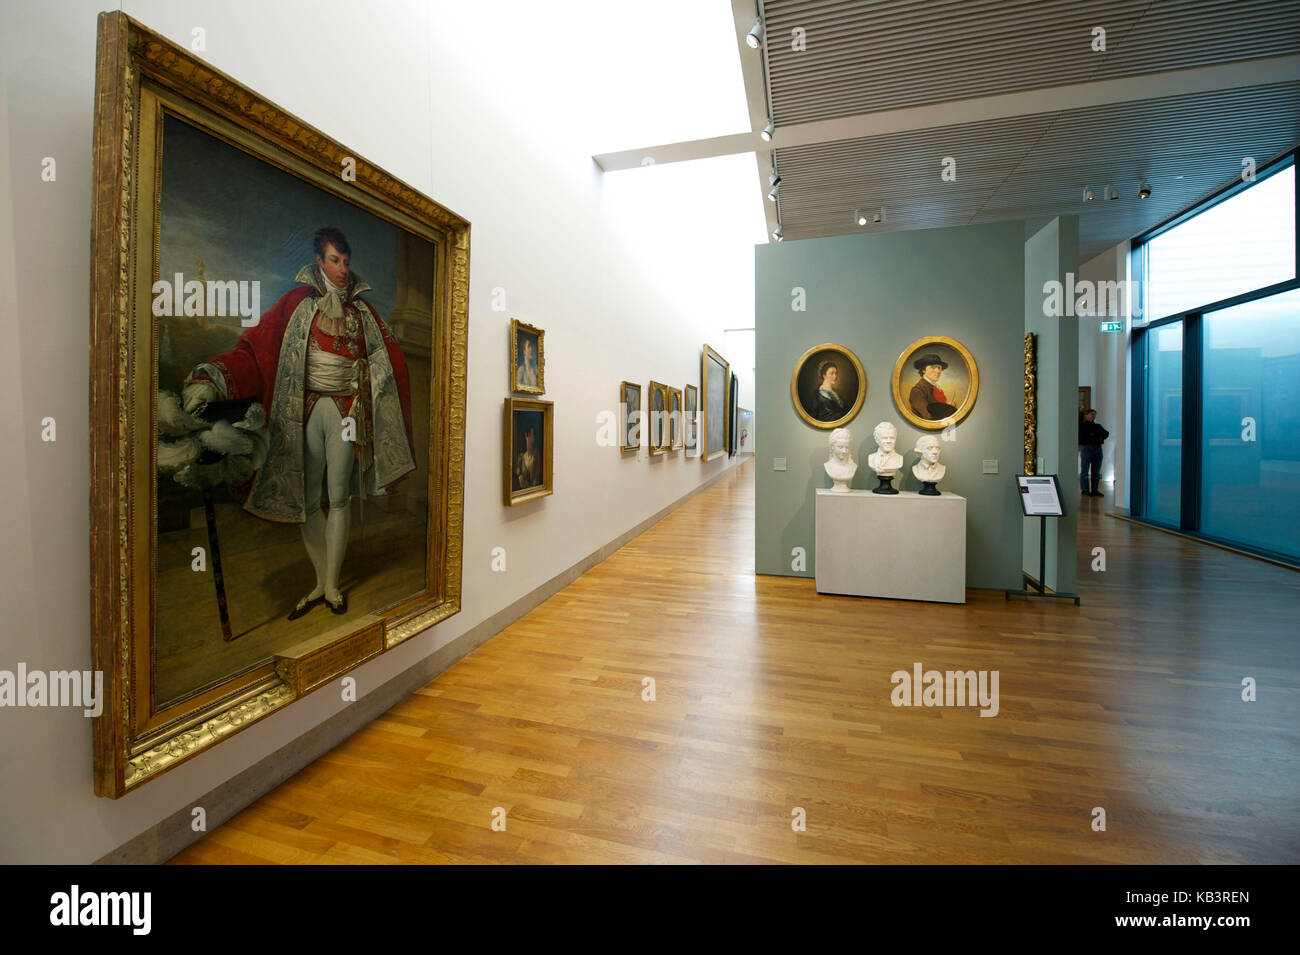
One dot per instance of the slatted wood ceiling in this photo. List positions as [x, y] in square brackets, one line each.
[868, 56]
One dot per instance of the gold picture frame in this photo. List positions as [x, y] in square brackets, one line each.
[691, 420]
[1031, 403]
[528, 469]
[676, 411]
[144, 85]
[630, 416]
[963, 383]
[521, 375]
[715, 419]
[658, 437]
[807, 386]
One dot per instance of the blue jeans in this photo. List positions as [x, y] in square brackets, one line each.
[1089, 461]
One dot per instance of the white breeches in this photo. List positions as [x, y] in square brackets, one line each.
[329, 459]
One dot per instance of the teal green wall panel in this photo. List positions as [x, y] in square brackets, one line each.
[875, 294]
[1051, 254]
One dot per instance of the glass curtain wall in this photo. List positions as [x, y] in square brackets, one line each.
[1250, 441]
[1164, 431]
[1219, 417]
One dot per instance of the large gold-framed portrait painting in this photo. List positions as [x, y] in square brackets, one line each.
[277, 406]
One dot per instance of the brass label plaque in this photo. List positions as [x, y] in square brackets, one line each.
[306, 672]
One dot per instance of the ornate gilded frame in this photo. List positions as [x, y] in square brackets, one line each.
[896, 379]
[708, 354]
[691, 419]
[665, 444]
[139, 76]
[676, 420]
[512, 496]
[1031, 403]
[623, 422]
[857, 404]
[515, 387]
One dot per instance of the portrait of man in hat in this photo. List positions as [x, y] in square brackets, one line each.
[927, 398]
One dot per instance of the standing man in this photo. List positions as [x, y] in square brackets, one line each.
[334, 384]
[1091, 436]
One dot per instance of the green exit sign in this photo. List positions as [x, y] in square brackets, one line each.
[1112, 326]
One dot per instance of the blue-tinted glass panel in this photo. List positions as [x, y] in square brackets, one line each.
[1250, 476]
[1164, 423]
[1243, 243]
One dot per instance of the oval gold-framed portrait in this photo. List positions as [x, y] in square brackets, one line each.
[828, 386]
[935, 382]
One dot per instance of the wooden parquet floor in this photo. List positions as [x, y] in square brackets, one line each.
[769, 697]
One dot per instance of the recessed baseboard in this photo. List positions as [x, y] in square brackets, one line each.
[165, 839]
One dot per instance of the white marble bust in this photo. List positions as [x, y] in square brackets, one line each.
[885, 461]
[928, 468]
[840, 466]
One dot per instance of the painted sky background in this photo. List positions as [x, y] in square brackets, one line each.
[247, 220]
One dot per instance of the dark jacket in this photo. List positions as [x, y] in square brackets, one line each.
[925, 402]
[1092, 434]
[824, 408]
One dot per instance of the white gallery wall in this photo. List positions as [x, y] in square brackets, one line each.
[1104, 366]
[740, 348]
[493, 109]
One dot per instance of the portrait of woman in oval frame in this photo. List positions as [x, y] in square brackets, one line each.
[935, 382]
[828, 386]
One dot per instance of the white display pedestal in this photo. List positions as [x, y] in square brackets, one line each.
[903, 545]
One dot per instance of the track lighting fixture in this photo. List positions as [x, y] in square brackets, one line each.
[775, 183]
[1144, 191]
[754, 38]
[767, 132]
[1087, 194]
[859, 217]
[1110, 192]
[776, 233]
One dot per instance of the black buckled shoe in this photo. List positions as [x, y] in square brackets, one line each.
[342, 606]
[305, 605]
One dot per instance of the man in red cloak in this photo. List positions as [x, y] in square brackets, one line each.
[334, 384]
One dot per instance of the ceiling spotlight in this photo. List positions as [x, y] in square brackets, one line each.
[767, 132]
[754, 38]
[775, 182]
[1087, 194]
[776, 233]
[879, 216]
[1110, 192]
[1144, 191]
[859, 217]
